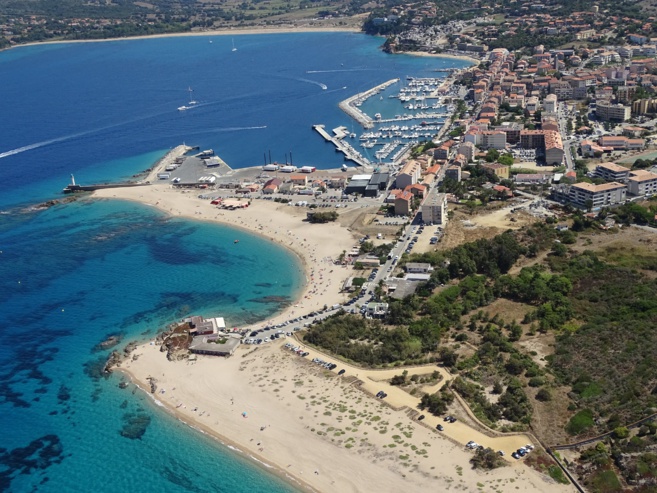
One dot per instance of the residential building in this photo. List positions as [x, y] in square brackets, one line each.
[434, 208]
[598, 195]
[453, 173]
[613, 112]
[301, 180]
[550, 103]
[553, 148]
[642, 182]
[418, 267]
[403, 203]
[500, 170]
[408, 175]
[612, 172]
[467, 149]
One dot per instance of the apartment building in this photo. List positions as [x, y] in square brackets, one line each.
[598, 195]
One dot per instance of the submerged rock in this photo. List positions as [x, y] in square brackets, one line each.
[135, 425]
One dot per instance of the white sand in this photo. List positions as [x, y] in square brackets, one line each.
[316, 421]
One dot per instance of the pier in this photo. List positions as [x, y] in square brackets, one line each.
[341, 146]
[349, 104]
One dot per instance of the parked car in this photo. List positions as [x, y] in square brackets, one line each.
[341, 372]
[420, 417]
[440, 427]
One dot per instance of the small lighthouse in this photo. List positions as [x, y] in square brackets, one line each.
[72, 179]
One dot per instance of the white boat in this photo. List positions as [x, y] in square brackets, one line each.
[182, 108]
[234, 49]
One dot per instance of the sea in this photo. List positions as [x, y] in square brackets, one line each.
[74, 274]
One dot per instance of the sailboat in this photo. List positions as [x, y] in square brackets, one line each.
[234, 49]
[191, 102]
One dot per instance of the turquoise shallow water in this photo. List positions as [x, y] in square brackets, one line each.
[73, 274]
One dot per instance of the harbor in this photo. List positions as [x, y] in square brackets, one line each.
[403, 115]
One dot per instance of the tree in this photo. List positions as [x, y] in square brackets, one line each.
[486, 459]
[543, 395]
[621, 432]
[492, 155]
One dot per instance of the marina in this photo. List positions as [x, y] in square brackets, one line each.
[404, 114]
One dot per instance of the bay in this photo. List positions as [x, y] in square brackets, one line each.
[73, 274]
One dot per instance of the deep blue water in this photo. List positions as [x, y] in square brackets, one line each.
[73, 274]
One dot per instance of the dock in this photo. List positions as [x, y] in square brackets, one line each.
[341, 146]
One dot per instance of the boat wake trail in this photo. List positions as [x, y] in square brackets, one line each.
[44, 143]
[235, 129]
[323, 86]
[337, 70]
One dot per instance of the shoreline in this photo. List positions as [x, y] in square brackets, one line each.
[233, 446]
[218, 32]
[315, 246]
[248, 31]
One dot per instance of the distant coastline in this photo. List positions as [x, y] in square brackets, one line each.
[246, 31]
[217, 32]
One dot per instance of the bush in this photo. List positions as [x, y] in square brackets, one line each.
[543, 395]
[581, 422]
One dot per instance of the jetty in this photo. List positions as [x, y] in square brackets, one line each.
[169, 159]
[351, 105]
[74, 188]
[341, 145]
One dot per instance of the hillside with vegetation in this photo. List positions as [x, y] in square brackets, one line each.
[489, 301]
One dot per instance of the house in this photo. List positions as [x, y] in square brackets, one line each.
[376, 310]
[498, 169]
[215, 344]
[200, 326]
[272, 186]
[403, 203]
[418, 267]
[299, 180]
[417, 190]
[503, 191]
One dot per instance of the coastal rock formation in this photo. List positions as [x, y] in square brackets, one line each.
[153, 383]
[114, 360]
[108, 343]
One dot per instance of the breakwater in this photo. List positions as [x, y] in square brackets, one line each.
[350, 105]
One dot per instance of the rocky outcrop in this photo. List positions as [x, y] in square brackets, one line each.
[114, 359]
[153, 383]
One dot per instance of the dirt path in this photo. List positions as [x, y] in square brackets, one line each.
[374, 381]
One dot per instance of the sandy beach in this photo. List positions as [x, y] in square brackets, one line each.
[237, 31]
[316, 429]
[316, 245]
[265, 400]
